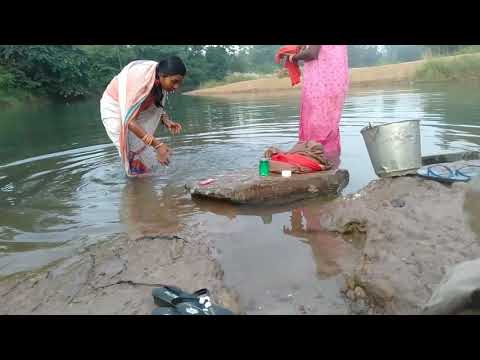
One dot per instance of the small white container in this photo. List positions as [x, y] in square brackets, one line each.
[286, 173]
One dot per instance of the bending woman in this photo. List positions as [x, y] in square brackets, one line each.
[131, 108]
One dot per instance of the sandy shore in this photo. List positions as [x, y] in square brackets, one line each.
[375, 75]
[402, 73]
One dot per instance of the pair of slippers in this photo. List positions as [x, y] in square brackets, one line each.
[445, 174]
[172, 300]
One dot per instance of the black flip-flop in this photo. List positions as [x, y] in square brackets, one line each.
[199, 306]
[164, 295]
[165, 311]
[174, 301]
[187, 308]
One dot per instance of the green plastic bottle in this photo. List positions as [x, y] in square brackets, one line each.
[264, 167]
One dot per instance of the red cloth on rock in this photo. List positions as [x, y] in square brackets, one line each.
[298, 160]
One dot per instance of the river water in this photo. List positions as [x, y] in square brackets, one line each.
[62, 186]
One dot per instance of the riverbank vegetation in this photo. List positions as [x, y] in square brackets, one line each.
[70, 72]
[463, 67]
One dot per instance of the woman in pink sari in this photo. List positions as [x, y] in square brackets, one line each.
[325, 85]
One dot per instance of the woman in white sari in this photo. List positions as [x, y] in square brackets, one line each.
[132, 107]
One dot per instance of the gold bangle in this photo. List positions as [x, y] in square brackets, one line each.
[148, 139]
[158, 145]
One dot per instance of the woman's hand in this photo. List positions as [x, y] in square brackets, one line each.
[291, 58]
[174, 128]
[163, 154]
[270, 152]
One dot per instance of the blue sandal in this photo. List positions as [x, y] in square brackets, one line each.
[461, 171]
[450, 177]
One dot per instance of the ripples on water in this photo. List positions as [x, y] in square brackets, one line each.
[63, 186]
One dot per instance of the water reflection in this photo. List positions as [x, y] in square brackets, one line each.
[151, 211]
[331, 252]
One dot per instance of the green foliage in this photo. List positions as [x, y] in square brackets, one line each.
[68, 72]
[402, 53]
[239, 63]
[75, 71]
[7, 79]
[460, 68]
[363, 55]
[471, 49]
[444, 50]
[360, 55]
[105, 63]
[55, 70]
[217, 63]
[261, 58]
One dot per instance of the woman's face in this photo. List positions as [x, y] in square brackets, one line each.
[171, 82]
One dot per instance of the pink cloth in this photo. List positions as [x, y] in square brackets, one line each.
[325, 84]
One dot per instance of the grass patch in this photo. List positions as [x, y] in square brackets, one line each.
[458, 68]
[469, 50]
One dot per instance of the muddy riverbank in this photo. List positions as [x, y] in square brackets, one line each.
[392, 242]
[117, 277]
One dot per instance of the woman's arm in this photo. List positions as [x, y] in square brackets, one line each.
[308, 53]
[162, 150]
[164, 119]
[140, 132]
[173, 127]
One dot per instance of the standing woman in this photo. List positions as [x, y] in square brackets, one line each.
[132, 106]
[324, 88]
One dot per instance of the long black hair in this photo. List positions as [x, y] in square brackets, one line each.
[169, 66]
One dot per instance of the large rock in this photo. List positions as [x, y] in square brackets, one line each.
[247, 187]
[416, 230]
[459, 291]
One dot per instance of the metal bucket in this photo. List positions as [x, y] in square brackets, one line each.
[394, 148]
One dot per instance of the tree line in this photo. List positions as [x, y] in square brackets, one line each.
[76, 71]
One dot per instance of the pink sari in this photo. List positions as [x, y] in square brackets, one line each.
[325, 84]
